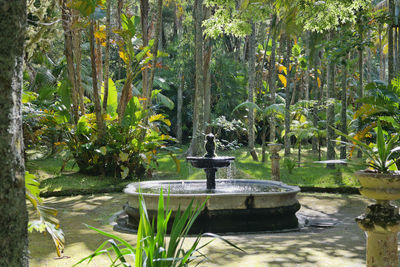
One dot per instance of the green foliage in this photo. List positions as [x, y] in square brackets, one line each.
[230, 135]
[128, 149]
[152, 248]
[290, 164]
[43, 126]
[329, 14]
[46, 215]
[382, 155]
[112, 99]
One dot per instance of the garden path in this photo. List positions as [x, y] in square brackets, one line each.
[316, 245]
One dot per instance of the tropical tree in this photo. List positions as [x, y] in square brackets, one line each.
[264, 111]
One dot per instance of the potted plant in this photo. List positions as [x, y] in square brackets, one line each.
[380, 181]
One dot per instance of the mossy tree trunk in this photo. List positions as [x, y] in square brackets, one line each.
[330, 112]
[96, 94]
[287, 93]
[250, 87]
[66, 15]
[196, 145]
[390, 42]
[107, 56]
[13, 214]
[272, 89]
[343, 125]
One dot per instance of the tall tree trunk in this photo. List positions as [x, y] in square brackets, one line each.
[119, 12]
[154, 51]
[397, 51]
[287, 100]
[96, 96]
[99, 60]
[263, 139]
[176, 21]
[330, 114]
[107, 56]
[13, 214]
[293, 98]
[260, 85]
[360, 90]
[381, 61]
[179, 108]
[144, 20]
[390, 42]
[271, 84]
[369, 63]
[126, 94]
[207, 75]
[196, 144]
[315, 57]
[76, 42]
[343, 125]
[68, 51]
[251, 85]
[309, 64]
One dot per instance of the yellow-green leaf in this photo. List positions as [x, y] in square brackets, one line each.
[283, 79]
[103, 150]
[124, 172]
[123, 156]
[282, 68]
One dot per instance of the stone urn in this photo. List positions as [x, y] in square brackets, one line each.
[381, 221]
[274, 148]
[275, 168]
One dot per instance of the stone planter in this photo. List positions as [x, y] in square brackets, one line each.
[274, 148]
[381, 221]
[379, 186]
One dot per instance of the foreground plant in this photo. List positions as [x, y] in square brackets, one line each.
[47, 220]
[152, 248]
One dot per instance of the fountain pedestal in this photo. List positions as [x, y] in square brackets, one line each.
[275, 168]
[210, 162]
[210, 176]
[381, 221]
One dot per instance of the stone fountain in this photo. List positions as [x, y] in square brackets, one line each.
[232, 205]
[210, 162]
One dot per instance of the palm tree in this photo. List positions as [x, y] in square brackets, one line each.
[264, 111]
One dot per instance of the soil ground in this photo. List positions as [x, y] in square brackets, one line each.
[331, 238]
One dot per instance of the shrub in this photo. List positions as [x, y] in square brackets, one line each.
[127, 150]
[229, 134]
[290, 164]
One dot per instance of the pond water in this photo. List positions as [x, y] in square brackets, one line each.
[221, 187]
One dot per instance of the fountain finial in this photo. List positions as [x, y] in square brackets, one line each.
[210, 146]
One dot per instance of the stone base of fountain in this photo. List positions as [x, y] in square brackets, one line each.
[234, 206]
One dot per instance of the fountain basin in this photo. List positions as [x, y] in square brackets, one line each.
[209, 163]
[234, 206]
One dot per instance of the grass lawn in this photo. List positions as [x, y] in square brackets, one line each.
[309, 174]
